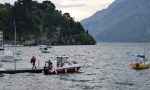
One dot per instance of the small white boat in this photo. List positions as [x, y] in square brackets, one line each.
[1, 64]
[1, 47]
[8, 45]
[9, 56]
[63, 66]
[17, 52]
[44, 48]
[2, 69]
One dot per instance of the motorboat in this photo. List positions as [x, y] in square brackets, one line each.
[44, 48]
[63, 66]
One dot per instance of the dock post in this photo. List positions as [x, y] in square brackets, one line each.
[38, 63]
[15, 65]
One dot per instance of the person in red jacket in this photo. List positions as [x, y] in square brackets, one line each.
[33, 60]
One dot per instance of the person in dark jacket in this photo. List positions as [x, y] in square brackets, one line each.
[33, 60]
[50, 65]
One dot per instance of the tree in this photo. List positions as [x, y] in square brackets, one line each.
[33, 18]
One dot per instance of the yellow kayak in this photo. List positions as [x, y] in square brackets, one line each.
[140, 66]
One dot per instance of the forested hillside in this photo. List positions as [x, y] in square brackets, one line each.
[40, 23]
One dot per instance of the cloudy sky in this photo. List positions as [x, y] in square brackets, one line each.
[79, 9]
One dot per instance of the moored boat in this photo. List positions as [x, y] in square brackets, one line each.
[1, 47]
[44, 48]
[140, 64]
[10, 56]
[142, 61]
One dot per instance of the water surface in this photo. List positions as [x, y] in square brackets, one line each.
[106, 66]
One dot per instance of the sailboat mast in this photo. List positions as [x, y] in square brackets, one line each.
[46, 37]
[15, 44]
[148, 34]
[15, 32]
[145, 44]
[42, 35]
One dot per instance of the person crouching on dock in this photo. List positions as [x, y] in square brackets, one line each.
[50, 65]
[33, 60]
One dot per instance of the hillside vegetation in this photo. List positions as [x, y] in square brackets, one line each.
[40, 23]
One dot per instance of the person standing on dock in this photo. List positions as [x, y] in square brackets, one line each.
[33, 60]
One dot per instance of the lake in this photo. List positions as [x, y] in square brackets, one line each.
[105, 66]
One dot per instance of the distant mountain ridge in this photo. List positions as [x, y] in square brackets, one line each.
[122, 21]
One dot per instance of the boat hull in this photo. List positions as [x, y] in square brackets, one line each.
[1, 49]
[61, 70]
[140, 66]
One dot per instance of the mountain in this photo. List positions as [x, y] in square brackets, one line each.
[122, 21]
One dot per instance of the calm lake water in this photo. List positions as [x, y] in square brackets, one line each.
[106, 66]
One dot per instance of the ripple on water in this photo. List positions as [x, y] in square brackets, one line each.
[91, 74]
[75, 79]
[1, 75]
[125, 83]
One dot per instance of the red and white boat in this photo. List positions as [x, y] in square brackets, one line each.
[63, 66]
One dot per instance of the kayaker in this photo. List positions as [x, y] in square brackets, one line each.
[33, 60]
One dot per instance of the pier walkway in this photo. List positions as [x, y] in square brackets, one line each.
[8, 71]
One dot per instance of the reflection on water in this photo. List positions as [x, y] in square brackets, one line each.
[105, 67]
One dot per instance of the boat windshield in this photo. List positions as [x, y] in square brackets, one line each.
[61, 60]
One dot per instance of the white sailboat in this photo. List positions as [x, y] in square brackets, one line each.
[44, 47]
[16, 54]
[7, 56]
[1, 47]
[11, 55]
[1, 68]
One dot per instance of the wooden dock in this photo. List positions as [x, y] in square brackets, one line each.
[21, 71]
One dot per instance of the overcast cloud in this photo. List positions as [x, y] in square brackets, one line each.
[79, 9]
